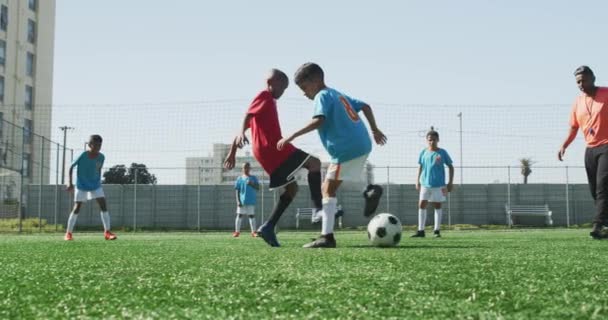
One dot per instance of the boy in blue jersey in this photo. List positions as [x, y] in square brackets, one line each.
[431, 181]
[246, 187]
[88, 186]
[346, 139]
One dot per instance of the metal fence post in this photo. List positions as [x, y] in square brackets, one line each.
[135, 201]
[40, 185]
[509, 189]
[262, 187]
[21, 192]
[567, 199]
[56, 189]
[388, 189]
[198, 201]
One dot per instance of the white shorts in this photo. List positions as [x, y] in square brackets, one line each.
[248, 210]
[83, 196]
[347, 171]
[433, 194]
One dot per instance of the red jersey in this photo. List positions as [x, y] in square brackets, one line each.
[266, 132]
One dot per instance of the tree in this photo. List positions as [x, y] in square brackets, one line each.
[119, 174]
[526, 165]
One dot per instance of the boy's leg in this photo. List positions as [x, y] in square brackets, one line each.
[72, 220]
[438, 216]
[237, 224]
[328, 213]
[422, 205]
[252, 225]
[266, 231]
[105, 215]
[313, 165]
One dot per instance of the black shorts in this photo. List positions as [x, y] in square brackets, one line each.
[285, 173]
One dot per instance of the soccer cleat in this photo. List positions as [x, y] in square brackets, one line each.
[437, 234]
[419, 234]
[372, 196]
[236, 234]
[326, 241]
[254, 234]
[109, 235]
[68, 236]
[596, 232]
[316, 216]
[266, 232]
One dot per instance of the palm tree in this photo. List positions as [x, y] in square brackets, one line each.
[526, 164]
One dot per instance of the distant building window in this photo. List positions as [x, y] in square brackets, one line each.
[29, 64]
[27, 131]
[26, 164]
[32, 4]
[1, 89]
[31, 31]
[2, 52]
[3, 18]
[29, 97]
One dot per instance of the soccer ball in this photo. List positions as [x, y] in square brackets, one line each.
[384, 230]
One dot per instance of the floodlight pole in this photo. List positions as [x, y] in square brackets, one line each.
[65, 133]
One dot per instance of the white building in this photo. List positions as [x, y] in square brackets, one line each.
[27, 29]
[209, 170]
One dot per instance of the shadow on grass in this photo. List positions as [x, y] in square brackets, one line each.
[403, 247]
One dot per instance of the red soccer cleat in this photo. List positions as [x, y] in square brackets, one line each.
[236, 234]
[109, 235]
[254, 234]
[68, 236]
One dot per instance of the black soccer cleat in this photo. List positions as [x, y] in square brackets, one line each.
[372, 195]
[419, 234]
[326, 241]
[437, 234]
[596, 232]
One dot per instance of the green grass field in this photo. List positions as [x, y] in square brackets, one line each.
[464, 275]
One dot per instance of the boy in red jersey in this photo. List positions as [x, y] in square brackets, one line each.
[282, 165]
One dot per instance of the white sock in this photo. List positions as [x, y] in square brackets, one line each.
[421, 219]
[105, 219]
[72, 221]
[237, 223]
[438, 214]
[329, 215]
[252, 224]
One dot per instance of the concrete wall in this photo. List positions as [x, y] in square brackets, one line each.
[213, 207]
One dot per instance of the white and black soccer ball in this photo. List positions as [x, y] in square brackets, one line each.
[384, 230]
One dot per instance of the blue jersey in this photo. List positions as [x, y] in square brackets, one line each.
[433, 167]
[88, 171]
[343, 134]
[247, 194]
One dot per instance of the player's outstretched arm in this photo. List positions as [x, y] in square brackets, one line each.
[230, 160]
[241, 139]
[70, 187]
[379, 137]
[571, 135]
[418, 178]
[313, 125]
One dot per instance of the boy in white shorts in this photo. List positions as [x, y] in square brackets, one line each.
[346, 139]
[88, 186]
[431, 181]
[246, 187]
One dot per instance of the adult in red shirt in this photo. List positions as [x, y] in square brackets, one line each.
[590, 114]
[282, 165]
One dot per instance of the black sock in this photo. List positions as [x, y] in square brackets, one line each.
[314, 184]
[278, 210]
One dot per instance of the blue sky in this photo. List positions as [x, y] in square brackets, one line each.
[418, 63]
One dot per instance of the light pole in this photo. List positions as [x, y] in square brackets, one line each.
[461, 163]
[65, 132]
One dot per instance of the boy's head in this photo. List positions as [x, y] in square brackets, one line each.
[277, 81]
[310, 78]
[432, 138]
[246, 168]
[95, 142]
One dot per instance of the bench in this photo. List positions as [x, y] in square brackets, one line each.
[528, 210]
[307, 213]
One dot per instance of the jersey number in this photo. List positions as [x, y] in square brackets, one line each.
[349, 110]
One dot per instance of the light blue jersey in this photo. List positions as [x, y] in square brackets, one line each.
[343, 134]
[247, 193]
[433, 167]
[88, 171]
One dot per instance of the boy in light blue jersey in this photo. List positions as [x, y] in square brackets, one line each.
[88, 186]
[246, 187]
[346, 139]
[431, 182]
